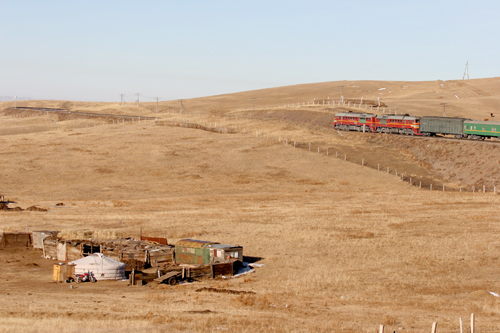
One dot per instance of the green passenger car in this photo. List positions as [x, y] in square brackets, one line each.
[479, 130]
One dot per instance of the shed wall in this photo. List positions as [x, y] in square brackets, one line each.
[16, 239]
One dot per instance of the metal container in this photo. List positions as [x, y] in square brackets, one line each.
[196, 252]
[442, 125]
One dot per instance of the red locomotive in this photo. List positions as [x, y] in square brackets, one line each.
[369, 122]
[353, 121]
[407, 125]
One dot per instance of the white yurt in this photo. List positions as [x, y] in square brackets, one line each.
[104, 268]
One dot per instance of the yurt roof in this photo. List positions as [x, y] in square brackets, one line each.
[98, 259]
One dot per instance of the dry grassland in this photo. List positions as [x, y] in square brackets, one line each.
[345, 247]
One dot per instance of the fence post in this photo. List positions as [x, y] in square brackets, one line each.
[473, 189]
[378, 167]
[362, 162]
[388, 170]
[461, 325]
[484, 188]
[294, 144]
[326, 151]
[431, 187]
[336, 154]
[420, 184]
[434, 327]
[309, 146]
[410, 180]
[381, 329]
[443, 188]
[318, 150]
[345, 157]
[396, 171]
[472, 323]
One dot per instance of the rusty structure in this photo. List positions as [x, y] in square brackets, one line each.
[198, 252]
[136, 254]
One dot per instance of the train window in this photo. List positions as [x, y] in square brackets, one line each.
[483, 128]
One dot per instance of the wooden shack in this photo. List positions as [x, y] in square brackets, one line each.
[40, 235]
[134, 253]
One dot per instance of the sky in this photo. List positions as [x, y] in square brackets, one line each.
[97, 50]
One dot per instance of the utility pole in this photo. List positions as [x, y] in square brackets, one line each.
[180, 100]
[444, 108]
[138, 94]
[15, 102]
[253, 99]
[466, 71]
[341, 94]
[122, 100]
[157, 104]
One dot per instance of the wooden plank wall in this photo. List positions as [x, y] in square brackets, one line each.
[16, 239]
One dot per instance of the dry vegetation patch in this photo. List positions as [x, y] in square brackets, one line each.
[345, 248]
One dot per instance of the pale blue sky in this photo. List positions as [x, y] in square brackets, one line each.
[97, 50]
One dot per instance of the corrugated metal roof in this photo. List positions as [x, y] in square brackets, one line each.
[194, 243]
[483, 122]
[355, 114]
[398, 117]
[223, 246]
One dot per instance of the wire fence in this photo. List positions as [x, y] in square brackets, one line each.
[222, 127]
[411, 179]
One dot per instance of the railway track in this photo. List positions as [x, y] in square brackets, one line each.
[88, 114]
[416, 137]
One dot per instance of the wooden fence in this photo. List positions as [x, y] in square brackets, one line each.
[435, 325]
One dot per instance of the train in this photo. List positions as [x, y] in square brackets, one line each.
[460, 128]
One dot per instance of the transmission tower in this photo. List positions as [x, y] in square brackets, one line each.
[157, 98]
[253, 99]
[466, 71]
[138, 94]
[122, 100]
[180, 100]
[341, 94]
[444, 108]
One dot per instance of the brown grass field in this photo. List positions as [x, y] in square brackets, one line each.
[346, 248]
